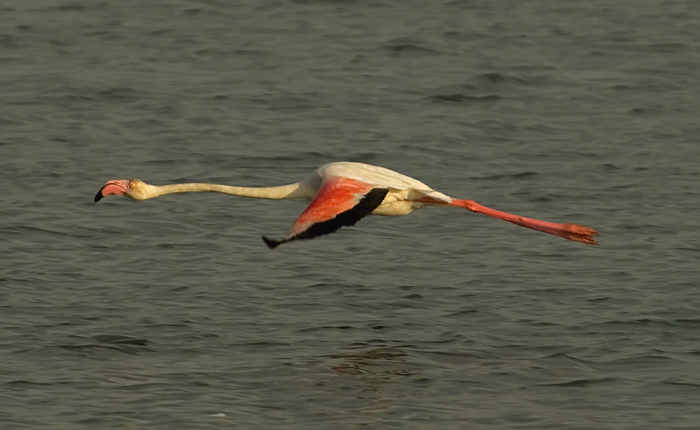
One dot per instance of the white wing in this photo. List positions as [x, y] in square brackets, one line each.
[379, 177]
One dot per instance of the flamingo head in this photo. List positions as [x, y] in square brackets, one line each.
[132, 188]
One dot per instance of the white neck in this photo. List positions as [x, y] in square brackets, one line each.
[291, 191]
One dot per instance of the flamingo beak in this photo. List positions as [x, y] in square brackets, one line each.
[118, 187]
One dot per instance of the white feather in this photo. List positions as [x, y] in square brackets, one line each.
[379, 177]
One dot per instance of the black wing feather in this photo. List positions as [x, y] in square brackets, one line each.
[364, 207]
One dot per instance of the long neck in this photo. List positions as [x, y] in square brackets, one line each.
[291, 191]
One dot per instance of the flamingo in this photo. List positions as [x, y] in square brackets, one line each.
[341, 194]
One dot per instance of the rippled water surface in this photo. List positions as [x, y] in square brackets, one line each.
[172, 314]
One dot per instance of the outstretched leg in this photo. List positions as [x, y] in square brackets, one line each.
[578, 233]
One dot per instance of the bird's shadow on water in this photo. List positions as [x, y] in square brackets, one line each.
[360, 382]
[384, 362]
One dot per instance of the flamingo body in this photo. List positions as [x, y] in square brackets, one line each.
[341, 194]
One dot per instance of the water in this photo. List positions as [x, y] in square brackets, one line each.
[172, 314]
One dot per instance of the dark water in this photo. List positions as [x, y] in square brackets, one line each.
[172, 314]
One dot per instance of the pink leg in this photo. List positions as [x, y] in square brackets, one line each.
[578, 233]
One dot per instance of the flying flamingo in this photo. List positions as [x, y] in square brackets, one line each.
[343, 193]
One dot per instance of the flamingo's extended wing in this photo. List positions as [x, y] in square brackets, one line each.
[339, 202]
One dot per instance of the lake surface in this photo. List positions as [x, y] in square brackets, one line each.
[172, 314]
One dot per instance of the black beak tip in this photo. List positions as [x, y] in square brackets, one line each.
[98, 196]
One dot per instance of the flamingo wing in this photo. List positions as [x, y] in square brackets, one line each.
[381, 177]
[339, 202]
